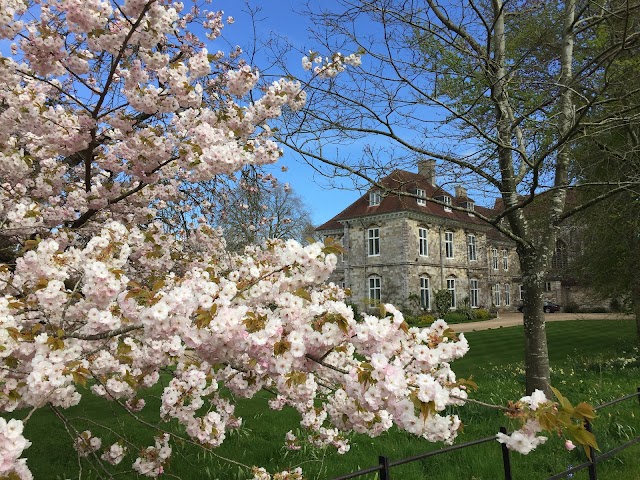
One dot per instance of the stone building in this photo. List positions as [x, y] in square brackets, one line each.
[402, 249]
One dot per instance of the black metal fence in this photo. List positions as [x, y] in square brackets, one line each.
[385, 464]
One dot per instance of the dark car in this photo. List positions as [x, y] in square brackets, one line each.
[548, 307]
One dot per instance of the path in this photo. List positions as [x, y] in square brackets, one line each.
[511, 319]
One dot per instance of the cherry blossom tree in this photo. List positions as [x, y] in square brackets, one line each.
[109, 112]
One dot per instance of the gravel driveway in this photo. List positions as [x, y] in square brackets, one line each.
[512, 319]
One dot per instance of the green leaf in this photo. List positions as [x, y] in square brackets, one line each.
[302, 293]
[564, 402]
[281, 347]
[584, 410]
[450, 334]
[427, 409]
[79, 379]
[468, 382]
[584, 438]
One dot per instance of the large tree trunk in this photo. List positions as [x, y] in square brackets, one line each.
[537, 373]
[536, 360]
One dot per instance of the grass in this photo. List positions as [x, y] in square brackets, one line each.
[588, 364]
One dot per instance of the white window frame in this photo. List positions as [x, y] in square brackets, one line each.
[474, 293]
[496, 294]
[422, 195]
[507, 294]
[423, 242]
[494, 258]
[548, 286]
[373, 242]
[472, 247]
[425, 293]
[521, 292]
[374, 198]
[451, 287]
[505, 259]
[448, 244]
[447, 202]
[374, 290]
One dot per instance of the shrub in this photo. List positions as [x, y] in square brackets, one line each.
[423, 320]
[464, 307]
[571, 307]
[616, 305]
[597, 310]
[442, 302]
[482, 314]
[456, 317]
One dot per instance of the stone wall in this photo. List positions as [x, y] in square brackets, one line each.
[400, 265]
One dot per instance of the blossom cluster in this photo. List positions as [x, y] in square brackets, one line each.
[330, 67]
[526, 438]
[12, 443]
[152, 460]
[260, 473]
[86, 444]
[115, 454]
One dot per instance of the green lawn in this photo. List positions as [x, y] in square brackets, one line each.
[566, 340]
[587, 360]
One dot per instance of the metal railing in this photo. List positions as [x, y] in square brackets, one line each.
[385, 464]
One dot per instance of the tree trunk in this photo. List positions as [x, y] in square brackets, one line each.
[635, 277]
[535, 352]
[536, 358]
[636, 310]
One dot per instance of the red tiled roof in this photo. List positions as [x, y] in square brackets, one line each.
[540, 203]
[401, 180]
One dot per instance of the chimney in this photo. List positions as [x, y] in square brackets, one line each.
[427, 168]
[461, 192]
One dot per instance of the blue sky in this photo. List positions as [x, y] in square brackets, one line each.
[284, 18]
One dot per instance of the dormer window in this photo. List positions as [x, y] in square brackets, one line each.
[470, 206]
[374, 198]
[444, 198]
[421, 197]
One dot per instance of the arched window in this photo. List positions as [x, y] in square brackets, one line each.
[451, 286]
[374, 290]
[474, 292]
[496, 294]
[560, 255]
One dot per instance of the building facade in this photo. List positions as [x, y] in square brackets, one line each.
[402, 249]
